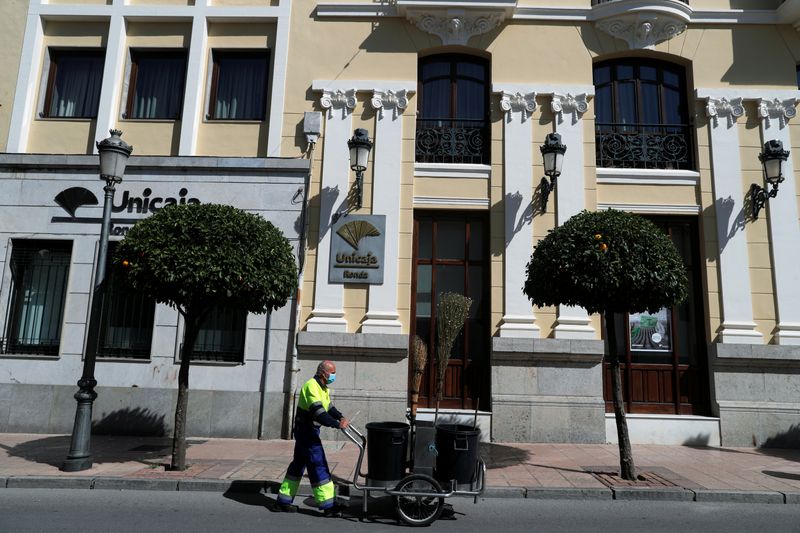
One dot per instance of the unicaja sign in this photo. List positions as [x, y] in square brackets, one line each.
[357, 249]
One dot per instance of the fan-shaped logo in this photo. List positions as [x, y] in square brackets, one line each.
[354, 231]
[73, 198]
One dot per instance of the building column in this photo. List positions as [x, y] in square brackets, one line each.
[382, 316]
[113, 70]
[570, 196]
[737, 325]
[784, 229]
[193, 102]
[25, 94]
[328, 311]
[518, 317]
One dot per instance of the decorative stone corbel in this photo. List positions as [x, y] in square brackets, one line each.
[575, 105]
[394, 100]
[722, 107]
[642, 30]
[338, 99]
[524, 103]
[783, 110]
[455, 26]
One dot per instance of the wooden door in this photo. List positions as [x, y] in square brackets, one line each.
[663, 355]
[451, 255]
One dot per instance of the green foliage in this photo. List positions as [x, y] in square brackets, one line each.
[607, 260]
[451, 314]
[202, 255]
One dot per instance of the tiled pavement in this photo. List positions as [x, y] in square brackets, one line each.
[722, 473]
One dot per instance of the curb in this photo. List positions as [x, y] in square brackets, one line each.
[676, 494]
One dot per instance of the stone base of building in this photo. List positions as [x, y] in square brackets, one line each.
[129, 411]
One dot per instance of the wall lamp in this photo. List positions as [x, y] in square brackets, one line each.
[553, 154]
[772, 158]
[360, 146]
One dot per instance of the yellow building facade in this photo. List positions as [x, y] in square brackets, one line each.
[664, 107]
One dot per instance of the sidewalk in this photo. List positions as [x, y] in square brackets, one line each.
[574, 471]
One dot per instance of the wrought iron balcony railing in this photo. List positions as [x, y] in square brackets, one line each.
[452, 141]
[660, 146]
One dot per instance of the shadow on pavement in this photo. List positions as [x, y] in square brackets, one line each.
[501, 456]
[52, 450]
[782, 475]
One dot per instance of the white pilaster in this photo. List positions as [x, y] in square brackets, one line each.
[193, 101]
[784, 229]
[570, 195]
[108, 107]
[25, 94]
[518, 317]
[278, 80]
[382, 316]
[328, 311]
[737, 307]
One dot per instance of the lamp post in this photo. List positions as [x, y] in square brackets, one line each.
[114, 153]
[360, 146]
[553, 155]
[772, 158]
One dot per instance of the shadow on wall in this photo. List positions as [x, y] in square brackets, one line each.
[699, 440]
[131, 422]
[788, 439]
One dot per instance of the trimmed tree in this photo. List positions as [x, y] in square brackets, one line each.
[195, 257]
[608, 262]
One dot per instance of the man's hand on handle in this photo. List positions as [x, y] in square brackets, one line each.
[344, 423]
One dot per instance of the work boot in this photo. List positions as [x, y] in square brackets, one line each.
[333, 512]
[285, 507]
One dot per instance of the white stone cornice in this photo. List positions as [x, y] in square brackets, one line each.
[642, 30]
[394, 100]
[575, 105]
[522, 102]
[338, 100]
[783, 110]
[455, 26]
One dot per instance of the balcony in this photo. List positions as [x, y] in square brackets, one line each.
[653, 146]
[598, 2]
[452, 141]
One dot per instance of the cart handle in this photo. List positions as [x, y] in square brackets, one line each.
[357, 438]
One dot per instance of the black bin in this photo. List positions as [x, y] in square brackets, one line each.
[457, 448]
[387, 443]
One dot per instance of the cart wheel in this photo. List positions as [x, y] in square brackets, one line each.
[418, 510]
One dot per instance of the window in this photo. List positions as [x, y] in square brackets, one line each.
[39, 273]
[126, 317]
[239, 85]
[73, 84]
[642, 115]
[221, 336]
[156, 84]
[453, 118]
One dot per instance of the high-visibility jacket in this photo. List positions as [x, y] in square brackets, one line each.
[314, 406]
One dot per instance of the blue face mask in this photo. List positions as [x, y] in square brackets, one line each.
[331, 378]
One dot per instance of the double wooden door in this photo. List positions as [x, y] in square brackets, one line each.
[451, 254]
[663, 355]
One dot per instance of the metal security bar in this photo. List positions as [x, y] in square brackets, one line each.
[221, 336]
[659, 146]
[126, 319]
[39, 274]
[452, 141]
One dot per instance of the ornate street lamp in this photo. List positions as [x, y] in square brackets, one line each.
[553, 155]
[772, 158]
[114, 153]
[360, 146]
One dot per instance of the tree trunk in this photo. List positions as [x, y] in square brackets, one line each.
[626, 466]
[179, 435]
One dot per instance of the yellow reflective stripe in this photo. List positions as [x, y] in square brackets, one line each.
[324, 494]
[288, 490]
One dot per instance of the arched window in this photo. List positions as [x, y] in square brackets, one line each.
[453, 109]
[642, 115]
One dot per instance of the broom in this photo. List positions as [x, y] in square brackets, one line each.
[419, 361]
[451, 314]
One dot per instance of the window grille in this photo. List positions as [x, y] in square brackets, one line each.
[39, 275]
[221, 336]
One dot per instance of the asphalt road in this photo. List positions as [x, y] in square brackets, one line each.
[109, 511]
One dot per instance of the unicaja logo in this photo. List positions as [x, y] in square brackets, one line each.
[354, 231]
[145, 204]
